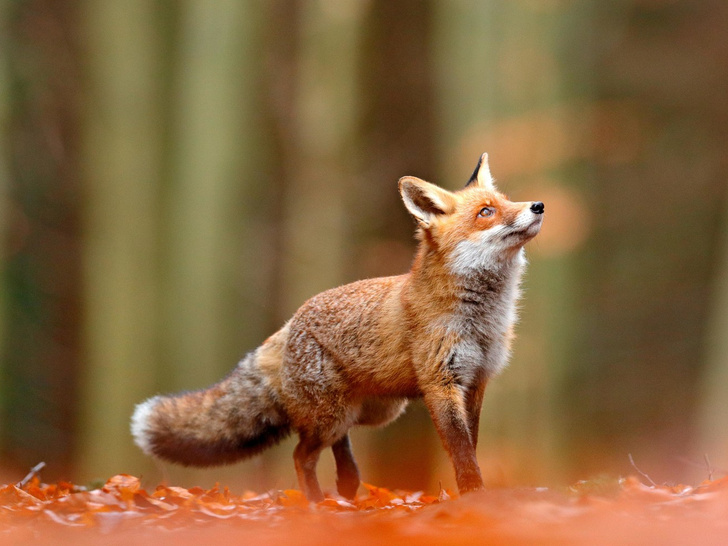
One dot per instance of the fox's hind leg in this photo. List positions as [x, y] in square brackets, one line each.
[347, 473]
[320, 409]
[305, 457]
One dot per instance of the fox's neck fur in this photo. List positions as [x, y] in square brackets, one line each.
[479, 301]
[434, 267]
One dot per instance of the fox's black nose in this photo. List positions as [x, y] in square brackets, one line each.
[537, 207]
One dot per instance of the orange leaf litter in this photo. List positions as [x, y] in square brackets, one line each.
[122, 512]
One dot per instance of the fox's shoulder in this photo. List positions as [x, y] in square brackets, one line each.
[348, 321]
[358, 293]
[349, 301]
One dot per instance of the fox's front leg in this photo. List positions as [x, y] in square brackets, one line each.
[448, 408]
[473, 404]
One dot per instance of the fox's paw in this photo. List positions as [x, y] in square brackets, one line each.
[469, 482]
[347, 486]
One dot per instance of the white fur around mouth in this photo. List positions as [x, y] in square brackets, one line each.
[487, 250]
[531, 230]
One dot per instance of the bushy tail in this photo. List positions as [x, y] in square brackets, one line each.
[232, 420]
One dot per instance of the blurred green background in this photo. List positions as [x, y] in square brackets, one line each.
[177, 177]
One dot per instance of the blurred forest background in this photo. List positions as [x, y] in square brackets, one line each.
[178, 176]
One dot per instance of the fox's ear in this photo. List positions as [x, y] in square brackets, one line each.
[425, 201]
[481, 175]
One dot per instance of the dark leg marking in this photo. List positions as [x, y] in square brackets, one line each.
[347, 473]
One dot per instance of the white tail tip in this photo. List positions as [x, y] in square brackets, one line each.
[140, 424]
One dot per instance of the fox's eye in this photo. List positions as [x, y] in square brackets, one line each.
[486, 211]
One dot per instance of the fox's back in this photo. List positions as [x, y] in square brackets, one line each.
[355, 334]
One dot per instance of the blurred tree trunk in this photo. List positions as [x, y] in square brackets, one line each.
[310, 74]
[712, 418]
[712, 409]
[41, 269]
[659, 198]
[216, 255]
[517, 76]
[397, 138]
[510, 101]
[319, 168]
[4, 185]
[122, 159]
[210, 194]
[280, 39]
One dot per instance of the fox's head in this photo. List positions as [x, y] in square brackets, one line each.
[475, 228]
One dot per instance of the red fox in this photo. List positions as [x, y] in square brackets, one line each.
[355, 355]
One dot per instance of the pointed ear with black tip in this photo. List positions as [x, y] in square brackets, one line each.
[425, 201]
[481, 175]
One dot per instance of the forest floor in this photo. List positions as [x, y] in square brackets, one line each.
[605, 511]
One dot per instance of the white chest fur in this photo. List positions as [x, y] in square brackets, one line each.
[485, 316]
